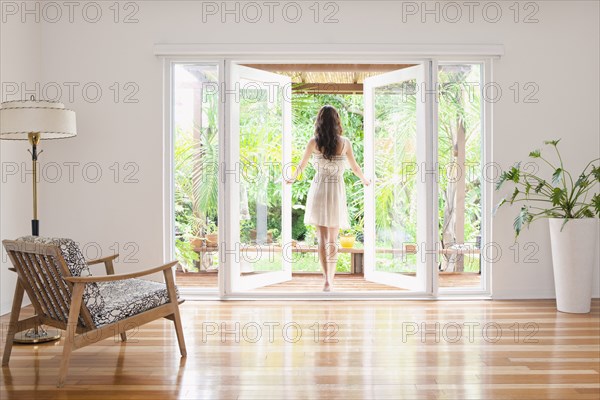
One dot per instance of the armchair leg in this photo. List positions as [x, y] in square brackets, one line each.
[123, 337]
[71, 329]
[170, 282]
[12, 325]
[179, 332]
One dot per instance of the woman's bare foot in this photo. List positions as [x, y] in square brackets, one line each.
[327, 287]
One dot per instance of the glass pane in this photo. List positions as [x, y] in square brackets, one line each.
[459, 157]
[196, 158]
[395, 134]
[261, 150]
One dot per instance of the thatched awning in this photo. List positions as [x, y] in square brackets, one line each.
[329, 78]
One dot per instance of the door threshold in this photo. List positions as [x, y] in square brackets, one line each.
[320, 296]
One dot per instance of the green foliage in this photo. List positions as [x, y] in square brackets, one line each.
[596, 202]
[563, 198]
[460, 110]
[196, 180]
[535, 153]
[196, 184]
[185, 253]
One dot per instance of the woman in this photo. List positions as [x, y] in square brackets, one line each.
[326, 206]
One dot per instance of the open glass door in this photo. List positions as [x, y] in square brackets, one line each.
[396, 204]
[259, 147]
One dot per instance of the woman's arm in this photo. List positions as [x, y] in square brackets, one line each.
[310, 147]
[354, 165]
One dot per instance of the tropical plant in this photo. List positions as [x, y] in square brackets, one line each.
[211, 227]
[348, 232]
[196, 155]
[184, 252]
[196, 160]
[559, 197]
[459, 126]
[395, 163]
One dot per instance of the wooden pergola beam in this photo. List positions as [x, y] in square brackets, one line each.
[328, 88]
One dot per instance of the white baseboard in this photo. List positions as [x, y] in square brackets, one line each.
[5, 307]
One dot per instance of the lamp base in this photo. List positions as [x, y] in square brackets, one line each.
[37, 335]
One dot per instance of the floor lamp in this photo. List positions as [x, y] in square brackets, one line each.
[35, 120]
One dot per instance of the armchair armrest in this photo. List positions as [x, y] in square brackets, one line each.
[108, 263]
[118, 277]
[102, 259]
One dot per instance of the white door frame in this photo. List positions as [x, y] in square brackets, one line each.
[235, 281]
[424, 268]
[323, 53]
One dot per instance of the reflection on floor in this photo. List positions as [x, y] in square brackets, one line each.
[361, 352]
[307, 282]
[314, 283]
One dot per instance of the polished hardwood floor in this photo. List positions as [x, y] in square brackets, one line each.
[331, 350]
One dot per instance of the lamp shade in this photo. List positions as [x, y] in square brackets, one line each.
[51, 119]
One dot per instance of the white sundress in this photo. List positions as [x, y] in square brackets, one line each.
[326, 201]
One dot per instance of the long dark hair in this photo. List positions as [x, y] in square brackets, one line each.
[328, 129]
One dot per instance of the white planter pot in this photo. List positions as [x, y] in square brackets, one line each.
[573, 259]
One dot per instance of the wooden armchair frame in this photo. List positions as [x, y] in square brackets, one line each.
[34, 263]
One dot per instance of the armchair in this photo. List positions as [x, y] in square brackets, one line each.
[64, 294]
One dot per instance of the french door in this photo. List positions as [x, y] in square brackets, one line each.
[259, 203]
[399, 204]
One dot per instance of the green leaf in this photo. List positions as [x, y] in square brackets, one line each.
[539, 187]
[503, 177]
[516, 173]
[582, 181]
[586, 212]
[514, 195]
[527, 188]
[596, 203]
[537, 153]
[523, 218]
[500, 203]
[552, 142]
[513, 174]
[557, 196]
[557, 175]
[596, 172]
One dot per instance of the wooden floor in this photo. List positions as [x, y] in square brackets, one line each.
[305, 282]
[514, 350]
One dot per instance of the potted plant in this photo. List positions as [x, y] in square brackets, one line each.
[271, 233]
[410, 248]
[572, 211]
[197, 242]
[212, 234]
[347, 238]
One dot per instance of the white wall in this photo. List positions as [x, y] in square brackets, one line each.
[20, 61]
[559, 53]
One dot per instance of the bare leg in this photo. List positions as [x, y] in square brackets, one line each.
[322, 239]
[332, 254]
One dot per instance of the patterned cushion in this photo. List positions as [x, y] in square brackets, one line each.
[128, 297]
[69, 249]
[107, 302]
[77, 265]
